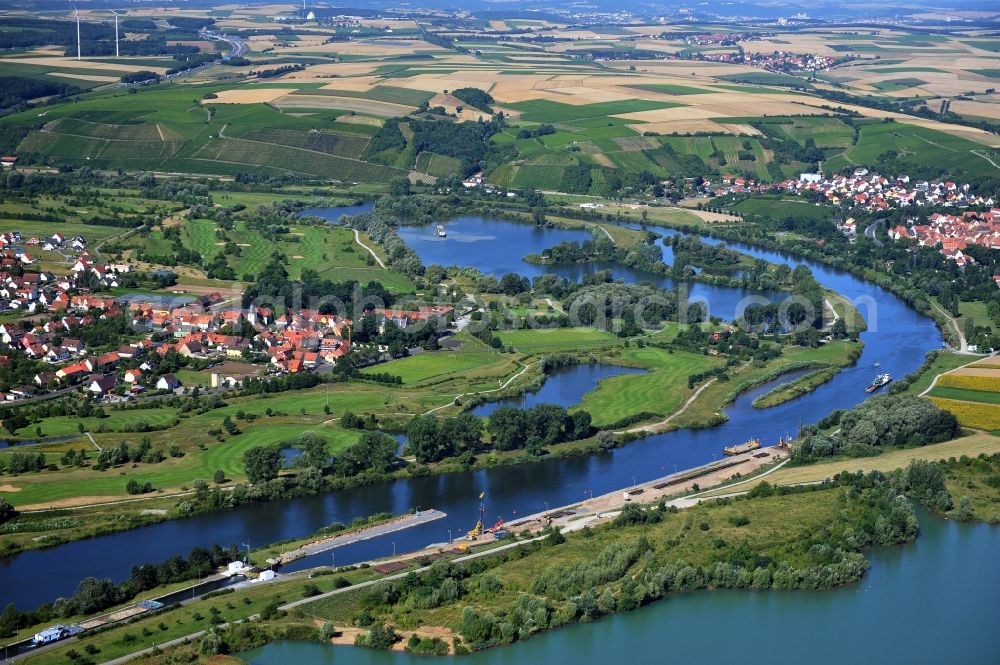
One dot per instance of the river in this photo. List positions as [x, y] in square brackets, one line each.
[898, 338]
[927, 603]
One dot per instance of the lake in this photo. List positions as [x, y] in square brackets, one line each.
[930, 603]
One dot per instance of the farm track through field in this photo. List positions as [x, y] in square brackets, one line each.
[934, 382]
[292, 147]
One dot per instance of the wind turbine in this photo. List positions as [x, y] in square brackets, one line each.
[116, 33]
[77, 12]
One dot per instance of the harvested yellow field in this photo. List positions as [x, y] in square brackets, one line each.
[202, 45]
[359, 84]
[86, 77]
[358, 105]
[979, 371]
[972, 414]
[683, 126]
[359, 120]
[972, 445]
[959, 379]
[744, 130]
[977, 109]
[248, 95]
[118, 65]
[713, 217]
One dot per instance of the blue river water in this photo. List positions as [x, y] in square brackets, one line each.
[897, 339]
[927, 603]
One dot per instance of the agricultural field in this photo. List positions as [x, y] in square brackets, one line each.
[907, 144]
[317, 118]
[972, 393]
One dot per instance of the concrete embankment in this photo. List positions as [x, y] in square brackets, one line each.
[343, 539]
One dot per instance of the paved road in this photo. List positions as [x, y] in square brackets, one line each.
[306, 601]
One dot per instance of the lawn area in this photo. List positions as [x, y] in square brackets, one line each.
[661, 390]
[86, 485]
[437, 364]
[975, 311]
[553, 339]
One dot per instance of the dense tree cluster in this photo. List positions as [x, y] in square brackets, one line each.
[474, 97]
[533, 429]
[431, 439]
[15, 90]
[885, 421]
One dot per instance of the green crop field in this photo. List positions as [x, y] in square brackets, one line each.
[661, 390]
[891, 85]
[671, 89]
[826, 132]
[553, 339]
[766, 78]
[966, 395]
[436, 364]
[920, 146]
[780, 208]
[900, 70]
[543, 110]
[986, 45]
[165, 128]
[732, 146]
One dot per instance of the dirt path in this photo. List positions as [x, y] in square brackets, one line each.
[655, 427]
[963, 344]
[357, 239]
[606, 233]
[482, 392]
[979, 154]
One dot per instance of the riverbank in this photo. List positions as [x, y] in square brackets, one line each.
[878, 613]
